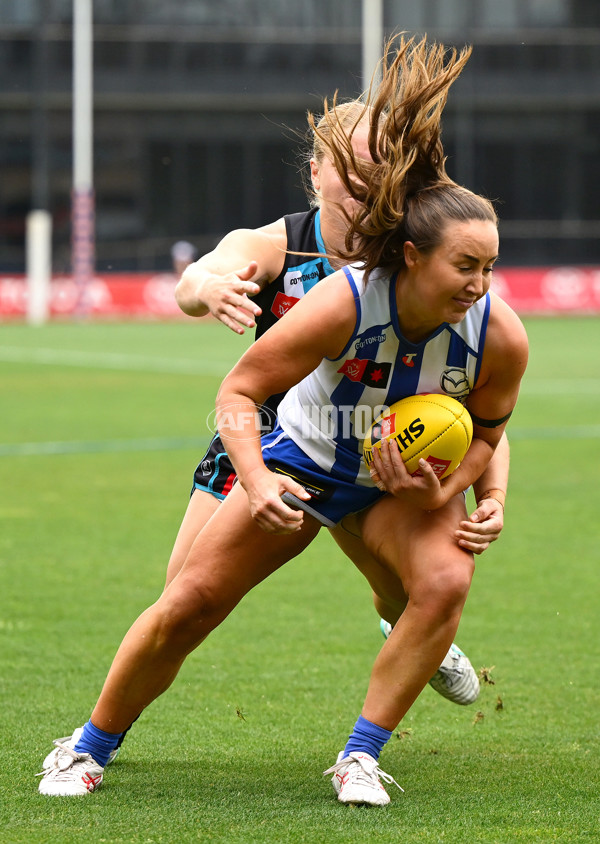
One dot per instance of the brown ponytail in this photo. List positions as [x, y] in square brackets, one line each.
[405, 192]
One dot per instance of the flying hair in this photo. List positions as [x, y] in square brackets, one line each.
[404, 193]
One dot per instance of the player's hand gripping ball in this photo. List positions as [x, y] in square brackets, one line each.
[433, 426]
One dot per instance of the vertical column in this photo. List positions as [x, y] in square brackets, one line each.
[38, 260]
[82, 200]
[372, 38]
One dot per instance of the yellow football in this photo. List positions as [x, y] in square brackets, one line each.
[431, 425]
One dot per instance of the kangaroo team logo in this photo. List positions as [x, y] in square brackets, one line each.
[454, 381]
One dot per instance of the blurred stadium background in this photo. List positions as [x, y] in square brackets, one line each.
[200, 107]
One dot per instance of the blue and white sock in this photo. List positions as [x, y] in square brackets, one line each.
[367, 737]
[97, 743]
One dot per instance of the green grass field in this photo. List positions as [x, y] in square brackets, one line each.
[102, 426]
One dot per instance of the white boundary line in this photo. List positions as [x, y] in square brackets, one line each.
[192, 366]
[114, 360]
[101, 446]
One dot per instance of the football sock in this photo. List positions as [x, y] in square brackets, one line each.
[97, 743]
[122, 736]
[367, 737]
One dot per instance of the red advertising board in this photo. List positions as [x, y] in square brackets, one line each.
[126, 296]
[550, 290]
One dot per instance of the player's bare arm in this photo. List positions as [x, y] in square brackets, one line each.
[318, 326]
[486, 522]
[502, 367]
[491, 402]
[221, 281]
[425, 490]
[495, 395]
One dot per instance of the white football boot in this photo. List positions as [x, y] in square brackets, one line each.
[356, 780]
[71, 774]
[455, 679]
[70, 742]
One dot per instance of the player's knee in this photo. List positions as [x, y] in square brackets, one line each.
[455, 583]
[446, 588]
[187, 616]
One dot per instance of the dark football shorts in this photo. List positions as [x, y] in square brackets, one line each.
[331, 497]
[215, 473]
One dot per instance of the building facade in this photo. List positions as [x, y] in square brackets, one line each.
[200, 112]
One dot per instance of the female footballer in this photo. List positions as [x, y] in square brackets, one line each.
[422, 250]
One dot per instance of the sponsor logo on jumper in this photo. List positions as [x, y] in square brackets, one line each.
[368, 372]
[297, 277]
[408, 359]
[454, 381]
[368, 341]
[282, 304]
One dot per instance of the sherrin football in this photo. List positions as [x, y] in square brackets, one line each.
[431, 425]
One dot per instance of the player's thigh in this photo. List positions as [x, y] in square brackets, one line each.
[384, 582]
[233, 554]
[419, 546]
[200, 508]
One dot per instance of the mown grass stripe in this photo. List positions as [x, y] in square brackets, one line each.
[101, 446]
[203, 366]
[578, 432]
[113, 360]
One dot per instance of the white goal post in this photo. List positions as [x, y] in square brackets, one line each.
[38, 262]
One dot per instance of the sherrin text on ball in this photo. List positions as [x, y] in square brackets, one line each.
[432, 426]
